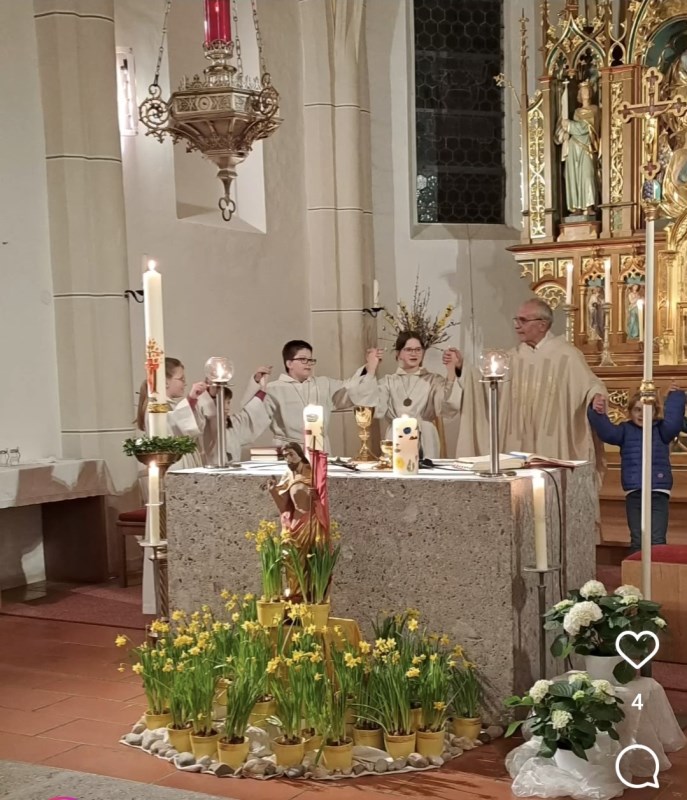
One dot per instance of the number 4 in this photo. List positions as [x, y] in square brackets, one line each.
[637, 702]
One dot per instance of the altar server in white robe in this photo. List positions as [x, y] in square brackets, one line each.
[297, 388]
[416, 392]
[193, 414]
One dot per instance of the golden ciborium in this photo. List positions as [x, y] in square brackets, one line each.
[387, 447]
[363, 419]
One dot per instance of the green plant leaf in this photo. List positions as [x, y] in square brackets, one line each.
[624, 672]
[513, 727]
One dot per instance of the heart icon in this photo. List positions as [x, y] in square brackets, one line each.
[637, 637]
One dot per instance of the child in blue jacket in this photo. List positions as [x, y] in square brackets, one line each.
[628, 437]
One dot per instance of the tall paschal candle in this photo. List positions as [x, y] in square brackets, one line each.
[217, 21]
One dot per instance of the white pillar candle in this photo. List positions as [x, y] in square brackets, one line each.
[607, 280]
[155, 348]
[154, 503]
[640, 318]
[569, 283]
[539, 504]
[406, 442]
[375, 294]
[313, 427]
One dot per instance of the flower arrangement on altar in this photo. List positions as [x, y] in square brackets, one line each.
[592, 619]
[569, 714]
[147, 445]
[431, 329]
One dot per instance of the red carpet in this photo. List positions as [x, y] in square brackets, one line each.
[94, 604]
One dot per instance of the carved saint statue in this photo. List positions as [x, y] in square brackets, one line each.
[595, 313]
[632, 321]
[674, 138]
[579, 138]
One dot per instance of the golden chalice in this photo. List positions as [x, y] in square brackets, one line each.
[363, 419]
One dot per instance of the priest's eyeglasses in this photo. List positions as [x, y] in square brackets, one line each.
[304, 360]
[523, 320]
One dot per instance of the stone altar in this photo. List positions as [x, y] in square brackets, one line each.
[449, 544]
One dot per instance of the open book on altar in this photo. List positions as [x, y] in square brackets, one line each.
[514, 460]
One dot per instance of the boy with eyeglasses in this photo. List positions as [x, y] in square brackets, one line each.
[297, 387]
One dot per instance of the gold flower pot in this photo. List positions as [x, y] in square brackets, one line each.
[179, 738]
[288, 755]
[155, 721]
[204, 745]
[221, 692]
[400, 746]
[232, 754]
[338, 756]
[469, 727]
[364, 737]
[270, 614]
[430, 743]
[261, 711]
[416, 719]
[317, 614]
[313, 742]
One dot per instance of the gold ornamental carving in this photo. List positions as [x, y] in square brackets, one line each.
[617, 403]
[545, 269]
[616, 156]
[527, 269]
[537, 187]
[551, 293]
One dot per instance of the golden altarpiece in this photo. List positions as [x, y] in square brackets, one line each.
[587, 164]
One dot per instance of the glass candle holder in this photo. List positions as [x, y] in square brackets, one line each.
[494, 364]
[219, 369]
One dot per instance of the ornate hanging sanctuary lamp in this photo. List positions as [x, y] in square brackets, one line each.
[223, 113]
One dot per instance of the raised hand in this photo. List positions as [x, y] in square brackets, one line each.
[197, 389]
[599, 404]
[452, 358]
[373, 357]
[261, 375]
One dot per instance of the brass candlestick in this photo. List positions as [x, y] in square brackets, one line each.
[570, 323]
[363, 419]
[606, 358]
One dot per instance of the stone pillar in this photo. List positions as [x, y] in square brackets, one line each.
[338, 191]
[76, 52]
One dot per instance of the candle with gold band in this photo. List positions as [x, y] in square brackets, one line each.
[406, 457]
[155, 352]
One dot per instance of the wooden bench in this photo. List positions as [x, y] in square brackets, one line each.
[669, 588]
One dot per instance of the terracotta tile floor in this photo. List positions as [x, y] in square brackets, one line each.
[63, 704]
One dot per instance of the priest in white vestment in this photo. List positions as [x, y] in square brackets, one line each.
[543, 401]
[298, 387]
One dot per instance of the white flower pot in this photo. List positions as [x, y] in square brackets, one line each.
[568, 761]
[601, 667]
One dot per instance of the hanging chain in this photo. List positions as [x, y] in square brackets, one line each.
[258, 37]
[161, 51]
[237, 40]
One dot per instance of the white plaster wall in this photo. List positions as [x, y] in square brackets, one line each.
[29, 406]
[227, 291]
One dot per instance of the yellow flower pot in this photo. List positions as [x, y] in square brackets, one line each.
[416, 719]
[312, 742]
[469, 727]
[232, 754]
[338, 756]
[261, 711]
[270, 614]
[317, 614]
[288, 755]
[155, 721]
[204, 745]
[399, 746]
[430, 743]
[179, 738]
[364, 737]
[221, 693]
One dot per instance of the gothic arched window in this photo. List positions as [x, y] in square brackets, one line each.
[459, 111]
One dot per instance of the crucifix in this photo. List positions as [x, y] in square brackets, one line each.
[650, 111]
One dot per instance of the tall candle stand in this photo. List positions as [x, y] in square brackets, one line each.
[494, 365]
[219, 371]
[570, 322]
[606, 358]
[541, 610]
